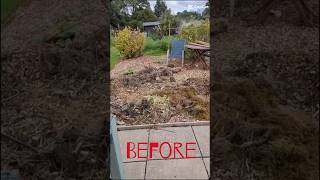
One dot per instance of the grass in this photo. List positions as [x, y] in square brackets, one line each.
[156, 47]
[114, 53]
[155, 52]
[7, 8]
[115, 56]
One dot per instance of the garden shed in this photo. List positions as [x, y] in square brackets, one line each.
[149, 27]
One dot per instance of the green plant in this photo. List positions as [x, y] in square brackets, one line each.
[157, 47]
[129, 72]
[193, 32]
[129, 43]
[161, 102]
[115, 56]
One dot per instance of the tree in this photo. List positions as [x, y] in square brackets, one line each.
[140, 16]
[206, 11]
[188, 16]
[160, 8]
[131, 13]
[119, 13]
[144, 15]
[137, 5]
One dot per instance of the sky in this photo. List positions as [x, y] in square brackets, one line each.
[181, 5]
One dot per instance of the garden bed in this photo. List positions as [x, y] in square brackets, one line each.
[145, 91]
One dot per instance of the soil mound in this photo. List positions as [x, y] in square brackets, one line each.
[159, 94]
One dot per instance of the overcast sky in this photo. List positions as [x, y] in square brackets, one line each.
[181, 5]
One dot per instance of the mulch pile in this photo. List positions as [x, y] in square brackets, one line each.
[159, 94]
[53, 90]
[266, 100]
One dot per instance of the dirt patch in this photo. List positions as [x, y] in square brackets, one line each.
[136, 65]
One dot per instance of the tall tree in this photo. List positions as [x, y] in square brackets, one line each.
[119, 13]
[144, 15]
[138, 4]
[160, 8]
[206, 11]
[188, 16]
[131, 13]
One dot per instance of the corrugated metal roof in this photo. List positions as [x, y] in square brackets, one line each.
[155, 23]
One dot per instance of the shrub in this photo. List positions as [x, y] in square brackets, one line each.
[129, 43]
[193, 32]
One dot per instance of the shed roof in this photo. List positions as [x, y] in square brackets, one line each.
[154, 23]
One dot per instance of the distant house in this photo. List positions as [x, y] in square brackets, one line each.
[149, 27]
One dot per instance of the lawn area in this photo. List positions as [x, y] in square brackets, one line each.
[154, 52]
[156, 47]
[115, 56]
[7, 8]
[151, 48]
